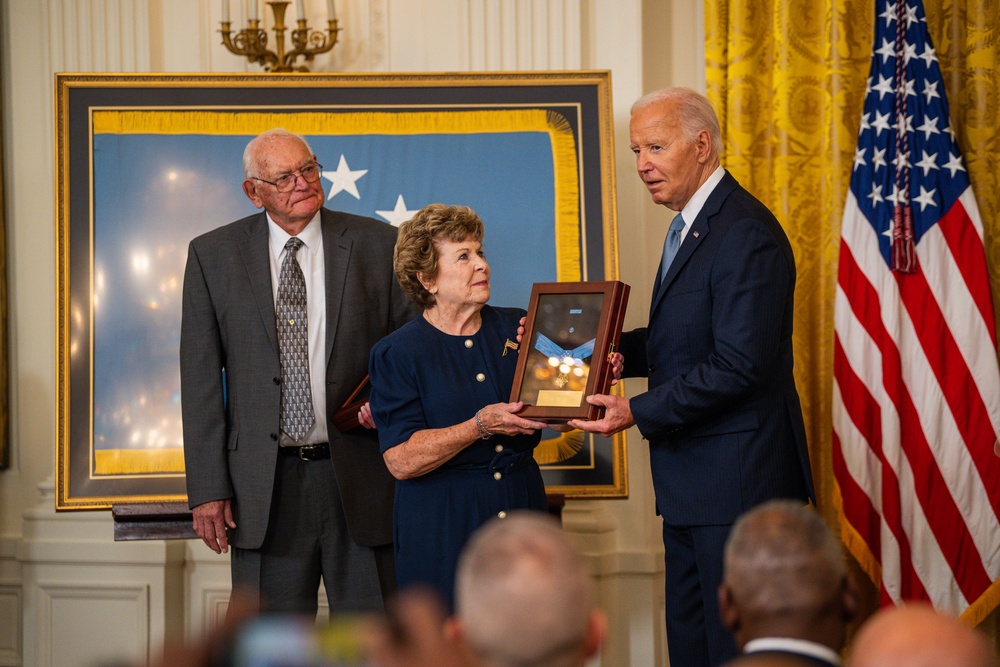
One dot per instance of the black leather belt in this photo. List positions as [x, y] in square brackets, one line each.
[315, 452]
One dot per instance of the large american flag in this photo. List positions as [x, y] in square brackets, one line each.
[916, 396]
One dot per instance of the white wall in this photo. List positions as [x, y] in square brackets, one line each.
[69, 595]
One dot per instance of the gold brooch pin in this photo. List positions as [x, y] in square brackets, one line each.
[509, 345]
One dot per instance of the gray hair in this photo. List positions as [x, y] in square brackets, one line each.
[694, 112]
[523, 594]
[781, 558]
[252, 153]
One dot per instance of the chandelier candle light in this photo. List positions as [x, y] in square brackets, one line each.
[252, 40]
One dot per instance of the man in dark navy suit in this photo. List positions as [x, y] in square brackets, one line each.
[721, 413]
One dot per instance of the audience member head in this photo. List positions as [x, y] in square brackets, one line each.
[215, 646]
[784, 576]
[524, 597]
[917, 636]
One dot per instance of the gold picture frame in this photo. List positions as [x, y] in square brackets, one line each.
[145, 162]
[4, 367]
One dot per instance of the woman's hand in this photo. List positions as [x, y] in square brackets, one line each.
[430, 448]
[502, 419]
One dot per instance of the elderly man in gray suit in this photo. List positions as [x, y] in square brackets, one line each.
[280, 311]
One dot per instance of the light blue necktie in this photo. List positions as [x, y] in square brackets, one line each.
[671, 244]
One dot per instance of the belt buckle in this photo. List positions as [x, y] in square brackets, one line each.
[305, 452]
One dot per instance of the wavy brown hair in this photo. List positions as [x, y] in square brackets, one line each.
[416, 252]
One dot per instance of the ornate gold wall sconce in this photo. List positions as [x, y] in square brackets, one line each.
[252, 41]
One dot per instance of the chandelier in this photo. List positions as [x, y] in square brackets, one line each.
[252, 41]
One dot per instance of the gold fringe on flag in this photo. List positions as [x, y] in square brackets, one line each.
[568, 203]
[138, 461]
[564, 446]
[855, 544]
[564, 151]
[983, 606]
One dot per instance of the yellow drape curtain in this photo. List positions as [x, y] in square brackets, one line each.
[788, 79]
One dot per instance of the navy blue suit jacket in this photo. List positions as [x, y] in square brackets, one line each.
[722, 415]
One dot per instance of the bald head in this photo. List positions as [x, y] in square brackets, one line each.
[257, 151]
[524, 597]
[918, 636]
[782, 556]
[784, 576]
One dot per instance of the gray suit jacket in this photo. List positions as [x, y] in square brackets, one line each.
[230, 373]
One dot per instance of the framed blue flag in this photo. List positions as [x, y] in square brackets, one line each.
[148, 162]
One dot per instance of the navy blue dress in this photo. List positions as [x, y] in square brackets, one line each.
[422, 378]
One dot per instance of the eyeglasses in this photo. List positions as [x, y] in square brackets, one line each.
[286, 183]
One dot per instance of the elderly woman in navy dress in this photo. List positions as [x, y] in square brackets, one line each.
[439, 385]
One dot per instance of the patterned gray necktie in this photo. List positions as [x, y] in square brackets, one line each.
[293, 341]
[671, 244]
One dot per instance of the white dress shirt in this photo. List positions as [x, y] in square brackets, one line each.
[698, 199]
[801, 646]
